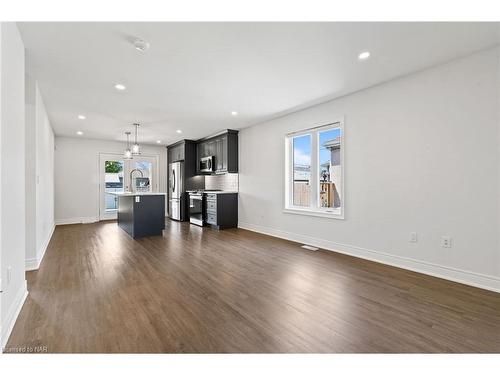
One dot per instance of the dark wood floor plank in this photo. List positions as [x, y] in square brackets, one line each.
[198, 290]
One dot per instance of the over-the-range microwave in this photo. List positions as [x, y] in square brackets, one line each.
[207, 164]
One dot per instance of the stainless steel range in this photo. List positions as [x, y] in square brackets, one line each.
[197, 206]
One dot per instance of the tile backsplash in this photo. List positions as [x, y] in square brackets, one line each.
[228, 182]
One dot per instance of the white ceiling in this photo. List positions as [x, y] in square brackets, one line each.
[195, 74]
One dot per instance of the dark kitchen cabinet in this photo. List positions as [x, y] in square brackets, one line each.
[220, 159]
[207, 148]
[221, 210]
[212, 147]
[224, 149]
[231, 152]
[185, 151]
[176, 152]
[142, 215]
[200, 153]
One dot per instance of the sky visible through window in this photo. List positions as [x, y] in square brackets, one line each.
[324, 154]
[302, 148]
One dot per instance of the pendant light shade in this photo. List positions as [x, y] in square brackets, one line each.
[127, 154]
[136, 149]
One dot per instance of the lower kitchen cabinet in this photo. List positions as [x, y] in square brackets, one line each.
[222, 210]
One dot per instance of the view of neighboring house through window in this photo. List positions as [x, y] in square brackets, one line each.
[314, 171]
[330, 171]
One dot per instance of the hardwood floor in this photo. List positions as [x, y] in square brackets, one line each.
[203, 291]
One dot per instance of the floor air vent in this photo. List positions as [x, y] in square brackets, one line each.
[308, 247]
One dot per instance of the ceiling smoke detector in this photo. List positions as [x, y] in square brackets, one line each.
[141, 45]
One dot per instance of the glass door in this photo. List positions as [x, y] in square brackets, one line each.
[118, 175]
[143, 172]
[112, 176]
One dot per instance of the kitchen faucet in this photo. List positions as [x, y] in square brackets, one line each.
[131, 190]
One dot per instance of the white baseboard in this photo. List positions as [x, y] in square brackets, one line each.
[77, 220]
[33, 264]
[12, 314]
[460, 276]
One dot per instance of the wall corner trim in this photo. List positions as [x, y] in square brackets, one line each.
[32, 264]
[13, 313]
[448, 273]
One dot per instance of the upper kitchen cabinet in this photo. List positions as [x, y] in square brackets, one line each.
[185, 151]
[224, 149]
[176, 152]
[206, 148]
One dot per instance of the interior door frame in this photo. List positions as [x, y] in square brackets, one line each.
[102, 214]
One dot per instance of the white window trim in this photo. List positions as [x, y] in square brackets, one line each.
[331, 213]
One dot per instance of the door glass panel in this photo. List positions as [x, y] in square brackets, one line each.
[113, 183]
[302, 170]
[330, 170]
[142, 175]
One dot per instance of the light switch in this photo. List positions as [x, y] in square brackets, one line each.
[137, 199]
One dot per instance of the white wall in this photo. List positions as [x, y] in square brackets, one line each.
[77, 176]
[12, 194]
[44, 177]
[421, 154]
[1, 148]
[39, 176]
[30, 170]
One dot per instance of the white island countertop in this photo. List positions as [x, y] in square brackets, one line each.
[212, 191]
[220, 192]
[132, 194]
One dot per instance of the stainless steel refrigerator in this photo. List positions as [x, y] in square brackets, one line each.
[176, 191]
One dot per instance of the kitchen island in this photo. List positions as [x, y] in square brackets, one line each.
[141, 214]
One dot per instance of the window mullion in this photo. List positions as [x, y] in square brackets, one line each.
[289, 166]
[314, 170]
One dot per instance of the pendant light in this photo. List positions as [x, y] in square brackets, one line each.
[136, 149]
[127, 154]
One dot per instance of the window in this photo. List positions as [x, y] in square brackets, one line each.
[313, 179]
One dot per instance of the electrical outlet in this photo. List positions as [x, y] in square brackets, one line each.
[445, 241]
[413, 237]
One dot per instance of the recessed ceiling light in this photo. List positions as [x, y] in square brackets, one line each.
[82, 117]
[158, 141]
[141, 45]
[79, 132]
[234, 113]
[364, 55]
[120, 87]
[179, 131]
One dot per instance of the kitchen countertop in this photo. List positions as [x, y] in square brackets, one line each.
[130, 194]
[212, 191]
